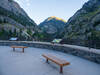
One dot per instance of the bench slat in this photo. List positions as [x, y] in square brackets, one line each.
[56, 60]
[18, 46]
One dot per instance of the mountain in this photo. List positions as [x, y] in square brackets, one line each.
[14, 19]
[85, 23]
[52, 27]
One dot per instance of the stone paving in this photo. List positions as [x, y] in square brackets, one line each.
[32, 63]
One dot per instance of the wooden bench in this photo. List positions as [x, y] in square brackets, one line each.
[19, 47]
[56, 60]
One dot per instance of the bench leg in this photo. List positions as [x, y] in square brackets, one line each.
[61, 69]
[47, 60]
[13, 49]
[23, 50]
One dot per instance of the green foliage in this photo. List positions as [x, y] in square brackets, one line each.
[96, 23]
[29, 32]
[14, 33]
[6, 35]
[3, 34]
[38, 36]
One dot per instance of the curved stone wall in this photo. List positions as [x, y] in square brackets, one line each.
[84, 52]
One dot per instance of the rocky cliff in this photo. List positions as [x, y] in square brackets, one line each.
[52, 27]
[14, 18]
[85, 23]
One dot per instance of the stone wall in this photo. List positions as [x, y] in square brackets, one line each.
[84, 52]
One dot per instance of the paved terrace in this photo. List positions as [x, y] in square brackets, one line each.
[32, 63]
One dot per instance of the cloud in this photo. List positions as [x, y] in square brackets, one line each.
[26, 2]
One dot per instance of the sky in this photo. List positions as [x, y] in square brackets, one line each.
[39, 10]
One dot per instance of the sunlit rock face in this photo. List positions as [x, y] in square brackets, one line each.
[53, 26]
[15, 18]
